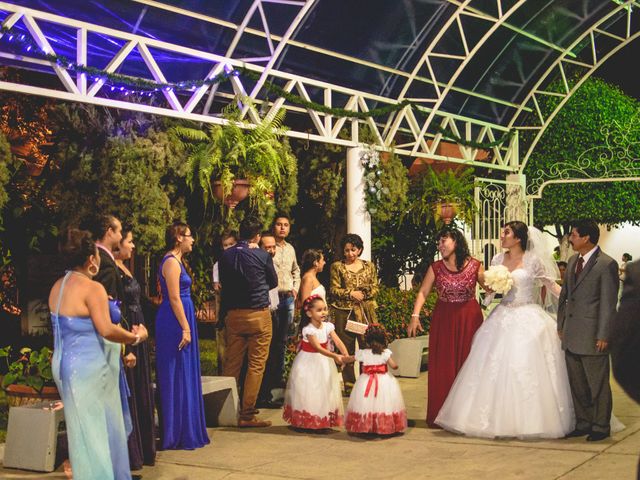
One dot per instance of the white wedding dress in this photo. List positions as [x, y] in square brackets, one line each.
[514, 382]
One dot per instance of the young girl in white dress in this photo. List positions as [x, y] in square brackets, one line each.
[313, 398]
[376, 404]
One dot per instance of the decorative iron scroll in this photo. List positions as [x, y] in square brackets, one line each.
[616, 159]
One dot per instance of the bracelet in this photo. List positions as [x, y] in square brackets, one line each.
[186, 331]
[415, 315]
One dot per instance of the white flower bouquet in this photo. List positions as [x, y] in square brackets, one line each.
[498, 278]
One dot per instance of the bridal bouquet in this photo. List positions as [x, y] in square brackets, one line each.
[498, 278]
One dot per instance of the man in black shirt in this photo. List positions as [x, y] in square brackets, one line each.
[247, 274]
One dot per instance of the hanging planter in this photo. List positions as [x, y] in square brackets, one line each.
[247, 162]
[445, 211]
[239, 191]
[444, 195]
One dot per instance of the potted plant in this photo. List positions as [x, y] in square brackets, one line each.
[29, 378]
[234, 161]
[444, 195]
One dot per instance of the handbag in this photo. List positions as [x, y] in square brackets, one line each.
[356, 327]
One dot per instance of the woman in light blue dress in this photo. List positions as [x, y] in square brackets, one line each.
[86, 365]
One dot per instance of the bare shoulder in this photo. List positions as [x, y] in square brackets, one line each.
[171, 265]
[54, 292]
[96, 288]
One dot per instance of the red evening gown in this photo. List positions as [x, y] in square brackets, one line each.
[454, 321]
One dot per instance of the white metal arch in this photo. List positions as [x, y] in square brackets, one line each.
[470, 50]
[558, 68]
[184, 104]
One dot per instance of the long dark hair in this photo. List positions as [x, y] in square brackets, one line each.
[462, 248]
[309, 257]
[173, 231]
[171, 234]
[308, 303]
[520, 231]
[77, 246]
[376, 338]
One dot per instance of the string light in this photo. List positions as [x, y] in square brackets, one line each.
[151, 88]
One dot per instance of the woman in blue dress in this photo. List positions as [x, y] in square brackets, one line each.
[182, 423]
[86, 364]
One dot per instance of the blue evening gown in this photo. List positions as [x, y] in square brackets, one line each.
[181, 408]
[86, 369]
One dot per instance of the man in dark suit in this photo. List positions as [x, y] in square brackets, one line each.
[587, 306]
[107, 233]
[625, 336]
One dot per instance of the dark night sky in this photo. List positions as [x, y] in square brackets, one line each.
[623, 69]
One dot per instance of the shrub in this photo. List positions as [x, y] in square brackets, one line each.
[395, 307]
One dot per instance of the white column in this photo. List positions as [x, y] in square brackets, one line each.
[358, 219]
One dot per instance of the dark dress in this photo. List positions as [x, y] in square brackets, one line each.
[454, 322]
[142, 441]
[182, 422]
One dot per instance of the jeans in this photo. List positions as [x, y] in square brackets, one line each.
[281, 318]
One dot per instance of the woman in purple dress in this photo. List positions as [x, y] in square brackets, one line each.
[182, 423]
[142, 441]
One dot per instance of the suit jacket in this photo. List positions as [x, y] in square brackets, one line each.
[109, 276]
[625, 334]
[587, 304]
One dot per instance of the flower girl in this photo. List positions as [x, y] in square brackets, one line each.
[376, 404]
[313, 399]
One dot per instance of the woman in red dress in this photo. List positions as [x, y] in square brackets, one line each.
[455, 318]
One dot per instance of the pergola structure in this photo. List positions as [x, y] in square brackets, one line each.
[467, 72]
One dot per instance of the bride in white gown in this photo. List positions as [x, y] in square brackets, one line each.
[514, 382]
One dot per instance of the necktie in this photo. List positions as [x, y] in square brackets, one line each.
[579, 266]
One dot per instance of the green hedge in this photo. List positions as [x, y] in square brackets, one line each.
[395, 307]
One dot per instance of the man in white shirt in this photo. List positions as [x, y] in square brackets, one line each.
[286, 264]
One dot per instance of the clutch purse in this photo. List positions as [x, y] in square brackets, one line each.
[353, 326]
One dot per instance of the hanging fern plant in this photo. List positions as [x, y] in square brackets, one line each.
[236, 151]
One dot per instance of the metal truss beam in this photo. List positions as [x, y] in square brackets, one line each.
[596, 52]
[467, 48]
[302, 8]
[407, 125]
[243, 29]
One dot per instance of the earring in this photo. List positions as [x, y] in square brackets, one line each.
[93, 272]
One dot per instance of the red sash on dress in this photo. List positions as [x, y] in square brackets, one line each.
[373, 371]
[306, 347]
